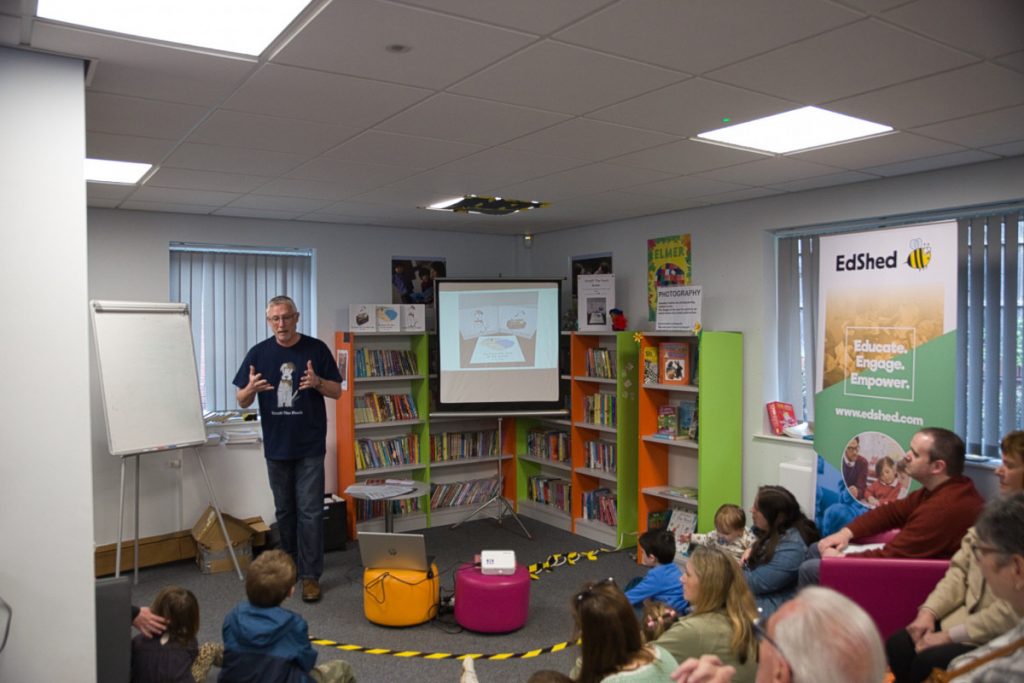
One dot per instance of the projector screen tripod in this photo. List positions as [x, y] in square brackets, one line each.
[503, 503]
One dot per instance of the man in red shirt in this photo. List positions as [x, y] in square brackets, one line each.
[932, 520]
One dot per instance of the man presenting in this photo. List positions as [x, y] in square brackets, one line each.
[291, 373]
[931, 520]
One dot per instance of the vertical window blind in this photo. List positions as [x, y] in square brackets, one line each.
[227, 290]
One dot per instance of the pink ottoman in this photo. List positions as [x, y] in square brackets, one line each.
[491, 603]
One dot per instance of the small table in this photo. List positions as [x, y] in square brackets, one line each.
[418, 489]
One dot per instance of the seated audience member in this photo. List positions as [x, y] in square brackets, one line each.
[886, 487]
[149, 624]
[612, 647]
[1000, 552]
[730, 532]
[783, 534]
[932, 520]
[722, 616]
[963, 603]
[267, 643]
[175, 655]
[656, 618]
[662, 580]
[819, 635]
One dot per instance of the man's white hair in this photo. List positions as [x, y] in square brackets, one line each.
[828, 637]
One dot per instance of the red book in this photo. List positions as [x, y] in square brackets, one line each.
[674, 363]
[780, 416]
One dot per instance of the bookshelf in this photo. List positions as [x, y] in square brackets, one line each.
[670, 470]
[603, 436]
[381, 423]
[544, 470]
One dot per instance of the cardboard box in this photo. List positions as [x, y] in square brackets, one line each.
[335, 523]
[212, 554]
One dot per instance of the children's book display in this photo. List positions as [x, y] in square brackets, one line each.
[386, 318]
[674, 363]
[780, 416]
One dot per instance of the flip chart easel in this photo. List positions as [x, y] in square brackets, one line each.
[150, 389]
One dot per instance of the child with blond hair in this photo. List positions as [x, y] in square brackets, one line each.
[730, 533]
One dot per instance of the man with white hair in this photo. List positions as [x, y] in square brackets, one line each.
[819, 635]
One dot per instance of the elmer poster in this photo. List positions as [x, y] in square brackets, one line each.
[668, 263]
[886, 360]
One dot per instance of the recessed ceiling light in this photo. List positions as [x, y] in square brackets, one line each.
[493, 206]
[243, 26]
[794, 131]
[120, 172]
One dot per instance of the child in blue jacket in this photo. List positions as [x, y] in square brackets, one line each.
[663, 581]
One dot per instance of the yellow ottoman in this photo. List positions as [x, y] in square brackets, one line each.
[400, 597]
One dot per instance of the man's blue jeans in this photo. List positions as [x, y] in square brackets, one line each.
[298, 488]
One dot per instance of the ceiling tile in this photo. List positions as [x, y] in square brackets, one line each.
[886, 149]
[836, 64]
[977, 88]
[419, 190]
[496, 167]
[232, 159]
[268, 203]
[1010, 149]
[969, 156]
[467, 119]
[355, 177]
[693, 106]
[140, 117]
[10, 30]
[586, 180]
[562, 78]
[267, 214]
[350, 37]
[770, 171]
[166, 207]
[588, 139]
[238, 129]
[686, 187]
[108, 191]
[1014, 61]
[126, 147]
[982, 27]
[829, 180]
[401, 150]
[170, 195]
[145, 69]
[980, 130]
[536, 16]
[188, 179]
[296, 93]
[307, 189]
[102, 203]
[696, 37]
[739, 195]
[687, 157]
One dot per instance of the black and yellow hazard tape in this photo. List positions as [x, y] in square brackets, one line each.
[559, 559]
[414, 654]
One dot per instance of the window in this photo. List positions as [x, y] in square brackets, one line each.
[227, 289]
[990, 324]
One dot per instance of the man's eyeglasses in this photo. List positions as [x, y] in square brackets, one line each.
[761, 634]
[287, 318]
[980, 549]
[588, 591]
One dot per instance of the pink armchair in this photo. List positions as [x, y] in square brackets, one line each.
[890, 590]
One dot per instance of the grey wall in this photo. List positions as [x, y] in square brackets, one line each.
[46, 568]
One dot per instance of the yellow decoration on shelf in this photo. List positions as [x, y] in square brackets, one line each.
[696, 327]
[638, 337]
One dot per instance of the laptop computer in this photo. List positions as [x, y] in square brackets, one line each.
[393, 551]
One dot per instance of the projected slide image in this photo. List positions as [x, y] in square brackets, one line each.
[502, 348]
[518, 320]
[478, 321]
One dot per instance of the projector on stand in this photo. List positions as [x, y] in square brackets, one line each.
[498, 562]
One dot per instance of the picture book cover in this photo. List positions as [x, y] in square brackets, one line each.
[650, 365]
[687, 409]
[780, 416]
[362, 318]
[668, 421]
[389, 318]
[413, 318]
[674, 363]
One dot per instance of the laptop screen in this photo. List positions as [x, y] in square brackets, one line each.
[393, 551]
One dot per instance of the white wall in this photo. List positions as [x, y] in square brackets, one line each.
[733, 260]
[128, 260]
[46, 568]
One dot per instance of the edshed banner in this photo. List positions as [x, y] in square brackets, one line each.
[887, 360]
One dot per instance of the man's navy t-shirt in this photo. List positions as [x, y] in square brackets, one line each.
[294, 421]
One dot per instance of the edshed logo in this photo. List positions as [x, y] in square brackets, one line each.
[865, 261]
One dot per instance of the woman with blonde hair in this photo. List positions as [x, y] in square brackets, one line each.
[722, 614]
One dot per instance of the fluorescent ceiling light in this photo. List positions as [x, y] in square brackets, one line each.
[794, 131]
[121, 172]
[444, 204]
[243, 26]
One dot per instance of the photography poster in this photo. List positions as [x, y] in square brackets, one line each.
[678, 309]
[887, 361]
[589, 264]
[596, 297]
[668, 264]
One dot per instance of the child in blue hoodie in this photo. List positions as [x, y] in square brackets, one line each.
[664, 581]
[266, 643]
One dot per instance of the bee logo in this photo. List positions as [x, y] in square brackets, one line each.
[920, 254]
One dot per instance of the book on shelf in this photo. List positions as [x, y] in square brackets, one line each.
[681, 492]
[658, 519]
[681, 523]
[668, 421]
[674, 363]
[687, 411]
[389, 318]
[780, 416]
[650, 364]
[692, 430]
